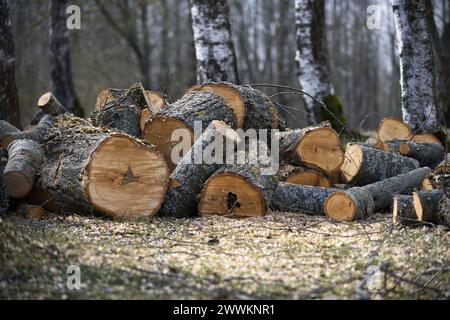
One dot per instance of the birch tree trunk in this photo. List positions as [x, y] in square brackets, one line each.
[60, 64]
[416, 65]
[9, 101]
[312, 54]
[216, 57]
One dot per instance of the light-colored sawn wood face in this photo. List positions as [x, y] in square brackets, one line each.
[215, 197]
[231, 96]
[340, 206]
[126, 179]
[321, 148]
[393, 129]
[309, 178]
[352, 163]
[159, 133]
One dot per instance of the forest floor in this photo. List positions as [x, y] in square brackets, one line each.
[280, 256]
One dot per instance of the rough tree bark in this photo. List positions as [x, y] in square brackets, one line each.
[60, 64]
[216, 57]
[9, 101]
[3, 195]
[312, 55]
[416, 65]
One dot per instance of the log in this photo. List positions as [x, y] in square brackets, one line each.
[36, 132]
[189, 177]
[403, 210]
[91, 170]
[30, 211]
[237, 191]
[25, 158]
[428, 154]
[41, 198]
[359, 202]
[314, 147]
[444, 166]
[49, 104]
[424, 138]
[364, 165]
[157, 101]
[119, 115]
[300, 199]
[392, 128]
[181, 115]
[427, 206]
[302, 176]
[4, 201]
[136, 95]
[6, 127]
[253, 108]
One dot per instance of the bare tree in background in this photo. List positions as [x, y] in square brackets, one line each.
[9, 101]
[312, 54]
[123, 17]
[416, 65]
[441, 49]
[216, 57]
[60, 63]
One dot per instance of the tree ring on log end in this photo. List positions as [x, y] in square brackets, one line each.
[424, 138]
[159, 133]
[391, 128]
[321, 148]
[354, 157]
[126, 179]
[224, 188]
[340, 207]
[231, 96]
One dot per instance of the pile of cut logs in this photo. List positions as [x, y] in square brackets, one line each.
[119, 162]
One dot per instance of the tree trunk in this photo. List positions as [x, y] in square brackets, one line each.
[25, 158]
[359, 202]
[428, 154]
[203, 107]
[189, 177]
[60, 64]
[364, 165]
[302, 199]
[417, 66]
[87, 170]
[312, 55]
[35, 133]
[216, 57]
[315, 147]
[4, 201]
[9, 100]
[237, 191]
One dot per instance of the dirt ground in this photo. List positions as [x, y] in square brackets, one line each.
[280, 256]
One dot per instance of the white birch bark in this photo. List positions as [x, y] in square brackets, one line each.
[312, 54]
[216, 57]
[416, 65]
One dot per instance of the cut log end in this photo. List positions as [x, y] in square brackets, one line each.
[231, 96]
[393, 129]
[229, 194]
[353, 162]
[45, 99]
[156, 100]
[17, 184]
[425, 138]
[418, 206]
[340, 207]
[309, 178]
[321, 148]
[159, 133]
[128, 187]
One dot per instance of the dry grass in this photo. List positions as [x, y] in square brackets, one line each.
[282, 256]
